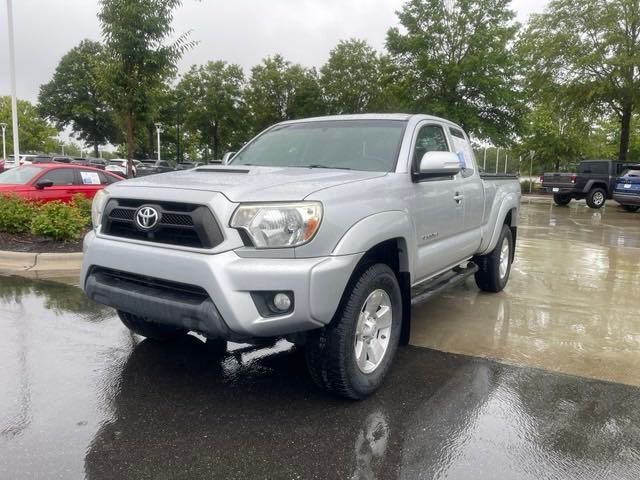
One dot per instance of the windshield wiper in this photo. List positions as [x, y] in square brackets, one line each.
[327, 166]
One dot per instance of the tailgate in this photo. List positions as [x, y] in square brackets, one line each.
[628, 184]
[558, 179]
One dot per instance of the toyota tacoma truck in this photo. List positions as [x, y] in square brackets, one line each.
[321, 231]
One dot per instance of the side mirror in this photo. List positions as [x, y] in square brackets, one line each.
[439, 164]
[227, 157]
[42, 184]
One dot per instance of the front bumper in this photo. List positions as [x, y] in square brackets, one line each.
[228, 280]
[626, 199]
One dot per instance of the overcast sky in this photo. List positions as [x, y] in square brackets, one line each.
[239, 31]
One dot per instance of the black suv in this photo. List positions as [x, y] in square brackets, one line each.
[594, 181]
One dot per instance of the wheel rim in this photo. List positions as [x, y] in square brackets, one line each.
[504, 258]
[373, 331]
[598, 198]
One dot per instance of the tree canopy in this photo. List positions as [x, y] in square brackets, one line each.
[214, 106]
[36, 135]
[593, 53]
[454, 59]
[74, 97]
[279, 90]
[138, 55]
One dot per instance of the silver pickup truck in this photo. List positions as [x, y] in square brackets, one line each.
[322, 231]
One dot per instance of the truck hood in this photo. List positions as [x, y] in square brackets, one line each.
[252, 184]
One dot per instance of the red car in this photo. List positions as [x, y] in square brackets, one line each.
[48, 181]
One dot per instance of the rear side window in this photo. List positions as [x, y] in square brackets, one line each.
[599, 168]
[60, 176]
[632, 173]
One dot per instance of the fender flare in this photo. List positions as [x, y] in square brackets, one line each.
[594, 184]
[377, 228]
[509, 203]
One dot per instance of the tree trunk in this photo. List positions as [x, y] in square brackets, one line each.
[625, 130]
[557, 165]
[130, 144]
[96, 151]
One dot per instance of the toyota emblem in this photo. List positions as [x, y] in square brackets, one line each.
[147, 217]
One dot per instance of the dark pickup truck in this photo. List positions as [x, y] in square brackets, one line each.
[595, 181]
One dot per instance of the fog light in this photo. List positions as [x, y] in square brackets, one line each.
[282, 302]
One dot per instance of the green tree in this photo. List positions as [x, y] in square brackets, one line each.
[454, 59]
[138, 56]
[73, 98]
[352, 80]
[214, 106]
[36, 134]
[279, 90]
[593, 52]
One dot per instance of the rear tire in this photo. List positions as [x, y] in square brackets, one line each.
[495, 267]
[351, 356]
[153, 331]
[631, 208]
[596, 198]
[561, 200]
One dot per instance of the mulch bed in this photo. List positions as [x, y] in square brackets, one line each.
[26, 242]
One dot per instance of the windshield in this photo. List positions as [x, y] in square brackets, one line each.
[369, 145]
[19, 176]
[631, 173]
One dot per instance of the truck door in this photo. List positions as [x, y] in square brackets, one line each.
[473, 190]
[438, 210]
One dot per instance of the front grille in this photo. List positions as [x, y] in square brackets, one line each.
[183, 224]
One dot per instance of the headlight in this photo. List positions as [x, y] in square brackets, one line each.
[277, 225]
[97, 207]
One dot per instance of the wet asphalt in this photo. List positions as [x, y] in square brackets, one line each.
[80, 397]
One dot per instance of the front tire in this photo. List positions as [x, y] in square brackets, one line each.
[351, 356]
[495, 267]
[561, 200]
[153, 331]
[596, 198]
[631, 208]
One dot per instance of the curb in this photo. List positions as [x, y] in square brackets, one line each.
[40, 265]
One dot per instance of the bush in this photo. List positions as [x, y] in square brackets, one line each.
[83, 205]
[15, 214]
[526, 184]
[59, 221]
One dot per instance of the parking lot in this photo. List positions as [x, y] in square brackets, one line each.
[540, 381]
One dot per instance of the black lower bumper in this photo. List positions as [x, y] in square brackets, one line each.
[158, 301]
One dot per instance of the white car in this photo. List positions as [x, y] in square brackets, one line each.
[119, 166]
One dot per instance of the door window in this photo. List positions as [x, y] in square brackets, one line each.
[431, 138]
[60, 176]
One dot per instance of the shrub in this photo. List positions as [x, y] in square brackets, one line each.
[59, 221]
[15, 214]
[83, 205]
[526, 185]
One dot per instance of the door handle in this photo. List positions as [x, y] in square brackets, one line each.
[458, 198]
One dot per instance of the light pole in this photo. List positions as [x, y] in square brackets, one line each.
[62, 146]
[100, 151]
[4, 141]
[505, 163]
[498, 158]
[158, 131]
[484, 163]
[12, 74]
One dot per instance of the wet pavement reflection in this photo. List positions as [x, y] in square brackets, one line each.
[571, 305]
[83, 398]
